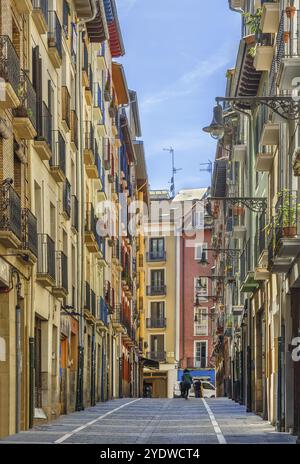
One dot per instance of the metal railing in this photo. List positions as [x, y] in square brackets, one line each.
[46, 255]
[30, 236]
[200, 362]
[58, 159]
[67, 198]
[97, 97]
[93, 303]
[61, 270]
[9, 63]
[153, 323]
[43, 6]
[74, 212]
[157, 355]
[103, 311]
[28, 101]
[55, 32]
[245, 261]
[156, 256]
[66, 106]
[153, 290]
[87, 304]
[10, 207]
[44, 125]
[89, 138]
[286, 214]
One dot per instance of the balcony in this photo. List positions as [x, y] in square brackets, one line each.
[285, 241]
[89, 151]
[60, 289]
[127, 283]
[270, 134]
[97, 102]
[239, 227]
[264, 161]
[67, 200]
[103, 315]
[156, 256]
[40, 15]
[9, 73]
[29, 235]
[43, 140]
[24, 6]
[239, 153]
[74, 130]
[24, 116]
[89, 87]
[117, 319]
[46, 264]
[87, 301]
[248, 282]
[196, 363]
[156, 290]
[152, 323]
[10, 217]
[115, 188]
[264, 53]
[287, 64]
[74, 214]
[93, 303]
[116, 252]
[58, 160]
[66, 108]
[106, 154]
[54, 39]
[270, 18]
[90, 236]
[159, 356]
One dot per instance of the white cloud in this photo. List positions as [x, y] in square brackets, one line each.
[190, 81]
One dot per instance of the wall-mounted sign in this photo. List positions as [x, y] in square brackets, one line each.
[4, 273]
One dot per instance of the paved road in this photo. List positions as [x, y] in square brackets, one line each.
[157, 421]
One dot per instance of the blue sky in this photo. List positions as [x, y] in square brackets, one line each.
[177, 54]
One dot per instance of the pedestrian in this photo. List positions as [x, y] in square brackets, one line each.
[187, 381]
[197, 388]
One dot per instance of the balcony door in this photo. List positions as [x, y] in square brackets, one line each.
[200, 354]
[157, 346]
[157, 311]
[157, 247]
[158, 278]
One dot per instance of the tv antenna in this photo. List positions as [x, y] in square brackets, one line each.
[174, 170]
[208, 168]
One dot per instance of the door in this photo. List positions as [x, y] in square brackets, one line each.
[200, 354]
[38, 363]
[157, 346]
[157, 248]
[157, 279]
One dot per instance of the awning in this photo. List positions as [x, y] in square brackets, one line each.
[120, 84]
[97, 29]
[150, 363]
[115, 35]
[219, 178]
[127, 138]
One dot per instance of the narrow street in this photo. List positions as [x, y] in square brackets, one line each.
[157, 421]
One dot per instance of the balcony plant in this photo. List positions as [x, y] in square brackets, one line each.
[238, 211]
[286, 216]
[296, 165]
[253, 20]
[107, 94]
[112, 109]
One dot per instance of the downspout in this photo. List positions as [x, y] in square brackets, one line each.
[81, 209]
[18, 350]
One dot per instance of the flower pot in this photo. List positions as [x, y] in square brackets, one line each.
[250, 39]
[290, 231]
[290, 11]
[286, 36]
[238, 211]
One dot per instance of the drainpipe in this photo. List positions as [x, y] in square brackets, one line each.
[18, 350]
[80, 186]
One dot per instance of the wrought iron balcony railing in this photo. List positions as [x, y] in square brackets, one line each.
[157, 355]
[89, 136]
[30, 236]
[87, 303]
[41, 5]
[103, 311]
[28, 101]
[10, 207]
[46, 256]
[156, 256]
[62, 271]
[91, 220]
[74, 128]
[154, 323]
[58, 159]
[9, 63]
[67, 199]
[55, 32]
[156, 290]
[93, 303]
[44, 125]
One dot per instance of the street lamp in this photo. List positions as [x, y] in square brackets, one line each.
[203, 261]
[217, 127]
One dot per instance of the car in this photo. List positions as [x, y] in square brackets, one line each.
[209, 390]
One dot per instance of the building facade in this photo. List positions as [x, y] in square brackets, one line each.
[71, 166]
[256, 169]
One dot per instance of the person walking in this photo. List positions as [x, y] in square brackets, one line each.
[187, 381]
[197, 388]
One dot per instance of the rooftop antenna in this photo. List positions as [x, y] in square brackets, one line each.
[208, 168]
[174, 170]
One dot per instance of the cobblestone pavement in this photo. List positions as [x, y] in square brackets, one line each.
[157, 421]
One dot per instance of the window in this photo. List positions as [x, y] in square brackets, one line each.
[157, 346]
[200, 288]
[157, 248]
[158, 310]
[158, 278]
[200, 354]
[199, 249]
[201, 322]
[198, 215]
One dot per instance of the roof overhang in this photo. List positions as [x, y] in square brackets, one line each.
[219, 178]
[120, 84]
[141, 169]
[97, 29]
[127, 138]
[246, 79]
[115, 36]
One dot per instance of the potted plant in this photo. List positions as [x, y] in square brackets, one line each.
[290, 11]
[238, 211]
[253, 20]
[296, 165]
[252, 51]
[107, 94]
[286, 36]
[287, 213]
